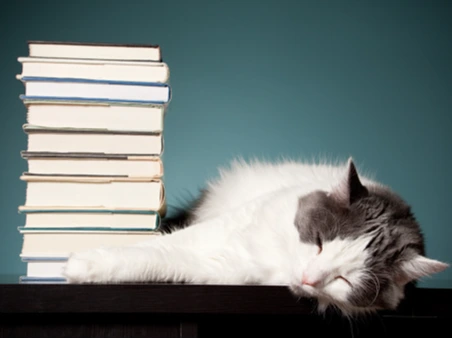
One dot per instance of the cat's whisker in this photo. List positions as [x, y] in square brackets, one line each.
[377, 285]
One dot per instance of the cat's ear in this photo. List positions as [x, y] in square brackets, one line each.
[350, 187]
[419, 267]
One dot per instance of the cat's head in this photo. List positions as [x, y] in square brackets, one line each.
[365, 246]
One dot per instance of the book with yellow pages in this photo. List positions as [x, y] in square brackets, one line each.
[101, 193]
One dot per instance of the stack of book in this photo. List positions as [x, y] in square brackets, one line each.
[95, 115]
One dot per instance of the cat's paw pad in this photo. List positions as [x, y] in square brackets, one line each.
[85, 267]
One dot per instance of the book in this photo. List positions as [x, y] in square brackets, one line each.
[89, 219]
[94, 69]
[102, 193]
[102, 165]
[62, 244]
[49, 268]
[85, 50]
[84, 230]
[107, 90]
[91, 114]
[92, 140]
[42, 280]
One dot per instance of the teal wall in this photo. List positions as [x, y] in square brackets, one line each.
[301, 79]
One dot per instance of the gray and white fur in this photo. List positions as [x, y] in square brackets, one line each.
[320, 229]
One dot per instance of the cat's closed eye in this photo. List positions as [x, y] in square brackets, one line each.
[343, 279]
[319, 244]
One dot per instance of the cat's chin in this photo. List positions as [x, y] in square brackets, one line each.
[325, 302]
[307, 292]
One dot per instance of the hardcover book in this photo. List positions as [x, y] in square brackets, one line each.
[94, 69]
[93, 140]
[86, 50]
[89, 219]
[105, 193]
[102, 165]
[62, 244]
[96, 90]
[91, 114]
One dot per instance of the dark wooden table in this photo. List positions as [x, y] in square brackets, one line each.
[179, 310]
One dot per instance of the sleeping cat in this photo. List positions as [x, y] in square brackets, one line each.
[321, 230]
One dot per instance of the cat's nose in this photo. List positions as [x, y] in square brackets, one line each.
[309, 282]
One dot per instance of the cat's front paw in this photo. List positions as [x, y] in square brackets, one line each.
[86, 267]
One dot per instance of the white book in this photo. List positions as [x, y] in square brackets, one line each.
[88, 114]
[94, 69]
[88, 220]
[112, 193]
[57, 49]
[55, 140]
[63, 244]
[70, 88]
[101, 166]
[44, 269]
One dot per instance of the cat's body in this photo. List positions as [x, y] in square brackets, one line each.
[318, 229]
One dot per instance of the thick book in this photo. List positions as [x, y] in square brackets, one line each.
[94, 69]
[54, 244]
[89, 219]
[65, 165]
[91, 114]
[100, 193]
[107, 90]
[93, 140]
[86, 50]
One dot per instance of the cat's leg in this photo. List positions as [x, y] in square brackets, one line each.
[195, 254]
[150, 263]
